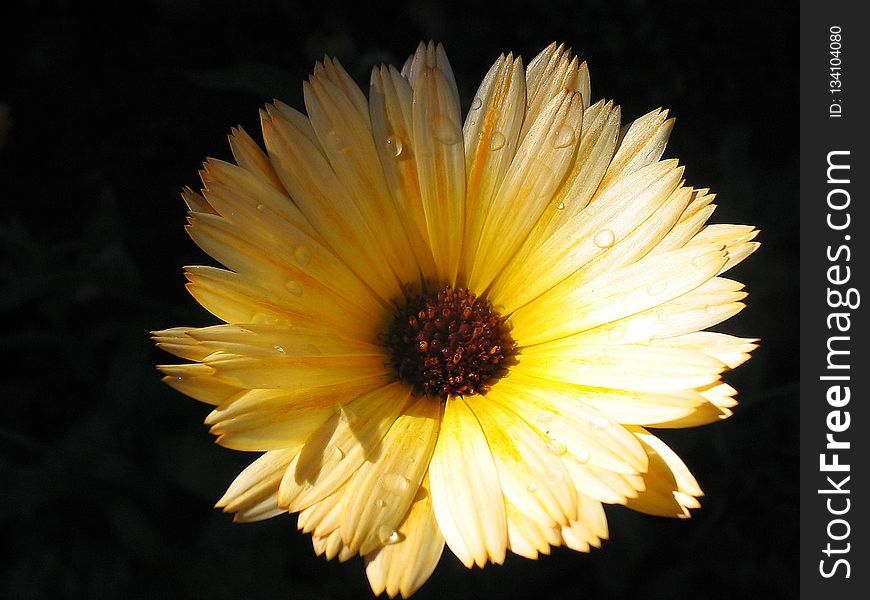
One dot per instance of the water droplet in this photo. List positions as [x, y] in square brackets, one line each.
[380, 503]
[445, 130]
[294, 288]
[496, 141]
[599, 423]
[279, 349]
[395, 147]
[532, 487]
[544, 418]
[604, 238]
[337, 453]
[476, 103]
[261, 207]
[394, 483]
[582, 456]
[303, 255]
[560, 205]
[563, 137]
[387, 535]
[657, 287]
[555, 446]
[179, 378]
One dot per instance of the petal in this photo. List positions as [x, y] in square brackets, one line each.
[670, 487]
[380, 493]
[732, 351]
[588, 529]
[326, 204]
[553, 70]
[392, 123]
[250, 157]
[440, 157]
[540, 164]
[303, 370]
[266, 419]
[540, 254]
[571, 426]
[587, 235]
[627, 366]
[337, 449]
[570, 308]
[491, 134]
[198, 382]
[345, 135]
[528, 537]
[401, 567]
[258, 482]
[532, 476]
[466, 494]
[642, 143]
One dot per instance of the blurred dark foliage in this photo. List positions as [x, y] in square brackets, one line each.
[108, 478]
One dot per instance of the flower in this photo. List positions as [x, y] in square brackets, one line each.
[437, 333]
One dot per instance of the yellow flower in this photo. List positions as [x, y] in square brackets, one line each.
[443, 333]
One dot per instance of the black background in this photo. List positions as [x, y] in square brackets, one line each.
[107, 477]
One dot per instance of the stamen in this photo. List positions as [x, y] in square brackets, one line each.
[450, 344]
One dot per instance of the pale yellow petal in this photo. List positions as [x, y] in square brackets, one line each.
[670, 487]
[380, 493]
[250, 157]
[266, 419]
[392, 127]
[440, 158]
[732, 351]
[626, 366]
[464, 475]
[570, 308]
[326, 204]
[410, 557]
[590, 233]
[531, 473]
[642, 143]
[258, 481]
[345, 134]
[534, 175]
[553, 70]
[570, 426]
[334, 452]
[491, 134]
[528, 537]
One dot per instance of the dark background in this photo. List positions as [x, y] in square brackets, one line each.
[107, 478]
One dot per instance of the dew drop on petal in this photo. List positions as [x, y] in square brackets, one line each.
[445, 130]
[395, 147]
[555, 446]
[563, 137]
[279, 349]
[394, 483]
[532, 487]
[560, 205]
[476, 103]
[387, 535]
[604, 238]
[302, 255]
[582, 456]
[544, 418]
[261, 207]
[599, 423]
[380, 503]
[496, 141]
[294, 288]
[337, 453]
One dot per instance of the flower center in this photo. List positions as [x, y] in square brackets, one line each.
[450, 344]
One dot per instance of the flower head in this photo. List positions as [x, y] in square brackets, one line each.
[444, 333]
